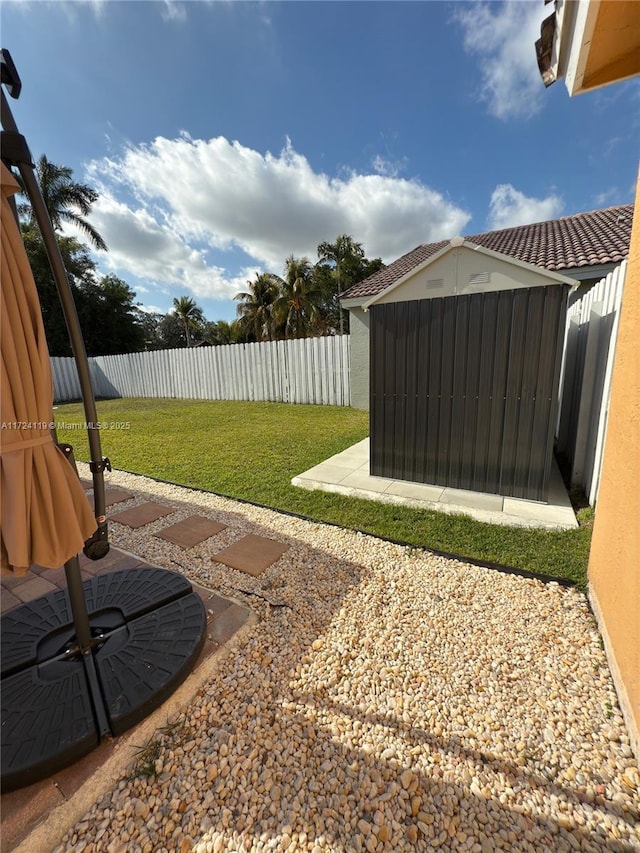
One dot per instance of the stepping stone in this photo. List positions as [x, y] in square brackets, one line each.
[116, 496]
[112, 494]
[143, 514]
[191, 531]
[251, 554]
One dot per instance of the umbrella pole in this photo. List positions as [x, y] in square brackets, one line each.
[22, 158]
[83, 639]
[15, 148]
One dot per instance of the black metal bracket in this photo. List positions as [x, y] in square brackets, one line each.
[15, 149]
[10, 77]
[100, 466]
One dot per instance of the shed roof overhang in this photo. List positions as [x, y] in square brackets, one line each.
[589, 43]
[459, 243]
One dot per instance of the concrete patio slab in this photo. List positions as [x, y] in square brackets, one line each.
[362, 480]
[359, 451]
[328, 472]
[347, 473]
[474, 500]
[417, 491]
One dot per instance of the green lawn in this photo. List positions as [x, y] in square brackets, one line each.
[252, 450]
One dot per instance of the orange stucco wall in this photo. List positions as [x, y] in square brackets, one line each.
[613, 51]
[614, 563]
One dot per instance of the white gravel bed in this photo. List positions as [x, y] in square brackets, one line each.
[391, 700]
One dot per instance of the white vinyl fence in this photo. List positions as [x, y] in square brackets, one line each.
[316, 371]
[309, 370]
[590, 343]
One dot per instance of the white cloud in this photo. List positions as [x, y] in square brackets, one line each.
[174, 11]
[69, 8]
[388, 168]
[504, 39]
[509, 207]
[151, 250]
[608, 198]
[222, 195]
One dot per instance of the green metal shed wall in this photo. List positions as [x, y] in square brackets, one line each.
[464, 389]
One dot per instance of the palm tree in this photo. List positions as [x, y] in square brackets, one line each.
[65, 199]
[222, 332]
[189, 314]
[346, 255]
[297, 306]
[256, 305]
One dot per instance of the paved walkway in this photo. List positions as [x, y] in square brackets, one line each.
[23, 809]
[347, 473]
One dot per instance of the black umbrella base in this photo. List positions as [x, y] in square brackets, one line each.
[147, 628]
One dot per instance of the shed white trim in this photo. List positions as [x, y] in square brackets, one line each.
[482, 284]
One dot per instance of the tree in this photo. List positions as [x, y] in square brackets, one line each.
[149, 323]
[342, 262]
[223, 332]
[256, 309]
[190, 315]
[297, 306]
[109, 317]
[80, 269]
[65, 199]
[344, 255]
[170, 333]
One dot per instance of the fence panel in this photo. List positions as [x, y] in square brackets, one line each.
[309, 370]
[66, 385]
[590, 342]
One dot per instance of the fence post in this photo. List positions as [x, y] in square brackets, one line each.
[586, 395]
[568, 383]
[616, 297]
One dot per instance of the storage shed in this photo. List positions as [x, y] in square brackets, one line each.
[465, 363]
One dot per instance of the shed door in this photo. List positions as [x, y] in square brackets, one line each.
[464, 389]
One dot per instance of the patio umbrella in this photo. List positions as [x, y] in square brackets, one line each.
[77, 665]
[45, 516]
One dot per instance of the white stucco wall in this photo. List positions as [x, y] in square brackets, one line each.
[359, 364]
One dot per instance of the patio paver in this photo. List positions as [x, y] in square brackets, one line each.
[228, 622]
[116, 496]
[9, 600]
[191, 531]
[142, 514]
[251, 554]
[33, 588]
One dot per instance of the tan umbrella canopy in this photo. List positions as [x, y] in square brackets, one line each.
[45, 517]
[97, 660]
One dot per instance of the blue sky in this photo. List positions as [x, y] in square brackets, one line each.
[224, 136]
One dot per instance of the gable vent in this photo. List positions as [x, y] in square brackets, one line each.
[435, 282]
[480, 278]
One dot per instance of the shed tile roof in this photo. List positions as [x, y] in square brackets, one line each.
[582, 240]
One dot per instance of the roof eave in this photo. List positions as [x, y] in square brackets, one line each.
[421, 266]
[353, 302]
[578, 274]
[459, 242]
